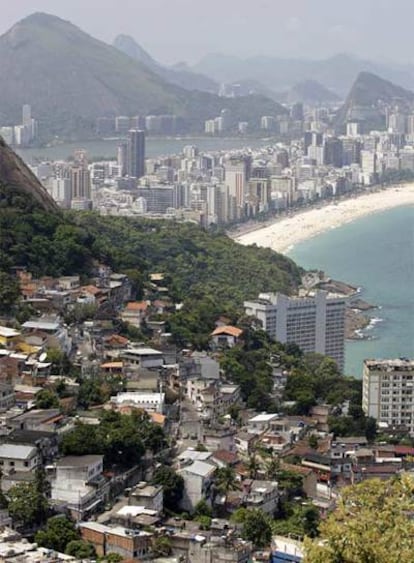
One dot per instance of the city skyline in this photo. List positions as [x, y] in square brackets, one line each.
[298, 30]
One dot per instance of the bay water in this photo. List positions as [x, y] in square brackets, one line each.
[375, 253]
[155, 147]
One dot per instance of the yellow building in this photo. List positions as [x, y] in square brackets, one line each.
[8, 337]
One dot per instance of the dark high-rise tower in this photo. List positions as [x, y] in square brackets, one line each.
[136, 153]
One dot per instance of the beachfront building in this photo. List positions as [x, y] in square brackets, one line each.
[315, 323]
[388, 392]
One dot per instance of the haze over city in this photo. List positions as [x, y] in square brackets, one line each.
[184, 30]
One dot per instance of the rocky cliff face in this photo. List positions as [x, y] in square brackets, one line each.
[15, 173]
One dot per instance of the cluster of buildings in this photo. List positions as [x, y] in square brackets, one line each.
[73, 184]
[24, 134]
[226, 187]
[153, 124]
[186, 394]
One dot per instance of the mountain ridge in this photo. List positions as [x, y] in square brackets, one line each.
[71, 78]
[337, 73]
[365, 100]
[183, 77]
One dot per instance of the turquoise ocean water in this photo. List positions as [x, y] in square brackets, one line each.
[375, 253]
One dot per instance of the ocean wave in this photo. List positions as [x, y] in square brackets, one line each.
[373, 322]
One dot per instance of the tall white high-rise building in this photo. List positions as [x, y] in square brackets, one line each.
[388, 392]
[26, 115]
[315, 323]
[122, 158]
[236, 178]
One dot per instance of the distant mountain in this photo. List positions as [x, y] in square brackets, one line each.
[127, 45]
[336, 73]
[310, 92]
[367, 98]
[70, 78]
[180, 75]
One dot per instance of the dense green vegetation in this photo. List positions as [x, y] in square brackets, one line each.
[372, 523]
[27, 503]
[45, 243]
[256, 526]
[313, 378]
[198, 263]
[61, 534]
[173, 486]
[209, 272]
[57, 533]
[122, 439]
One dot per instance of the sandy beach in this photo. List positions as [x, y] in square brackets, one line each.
[285, 233]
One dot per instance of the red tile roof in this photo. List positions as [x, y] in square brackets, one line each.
[137, 306]
[227, 330]
[92, 289]
[225, 456]
[117, 339]
[404, 450]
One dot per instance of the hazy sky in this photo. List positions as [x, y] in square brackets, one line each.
[173, 30]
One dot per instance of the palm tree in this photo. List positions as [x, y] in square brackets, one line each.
[273, 468]
[253, 466]
[225, 482]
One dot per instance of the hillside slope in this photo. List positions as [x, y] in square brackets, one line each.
[16, 175]
[182, 77]
[199, 265]
[367, 97]
[66, 74]
[310, 92]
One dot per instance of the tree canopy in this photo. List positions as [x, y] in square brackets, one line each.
[173, 486]
[57, 534]
[27, 505]
[373, 523]
[122, 439]
[208, 272]
[257, 527]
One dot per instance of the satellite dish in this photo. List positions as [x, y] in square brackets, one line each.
[42, 357]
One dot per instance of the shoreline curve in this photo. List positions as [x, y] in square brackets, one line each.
[283, 234]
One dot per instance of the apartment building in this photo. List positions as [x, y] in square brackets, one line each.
[315, 323]
[129, 544]
[388, 392]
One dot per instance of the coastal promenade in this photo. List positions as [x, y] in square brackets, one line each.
[283, 234]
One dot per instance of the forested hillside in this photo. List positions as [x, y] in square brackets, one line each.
[200, 267]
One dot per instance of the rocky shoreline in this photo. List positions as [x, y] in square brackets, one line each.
[357, 316]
